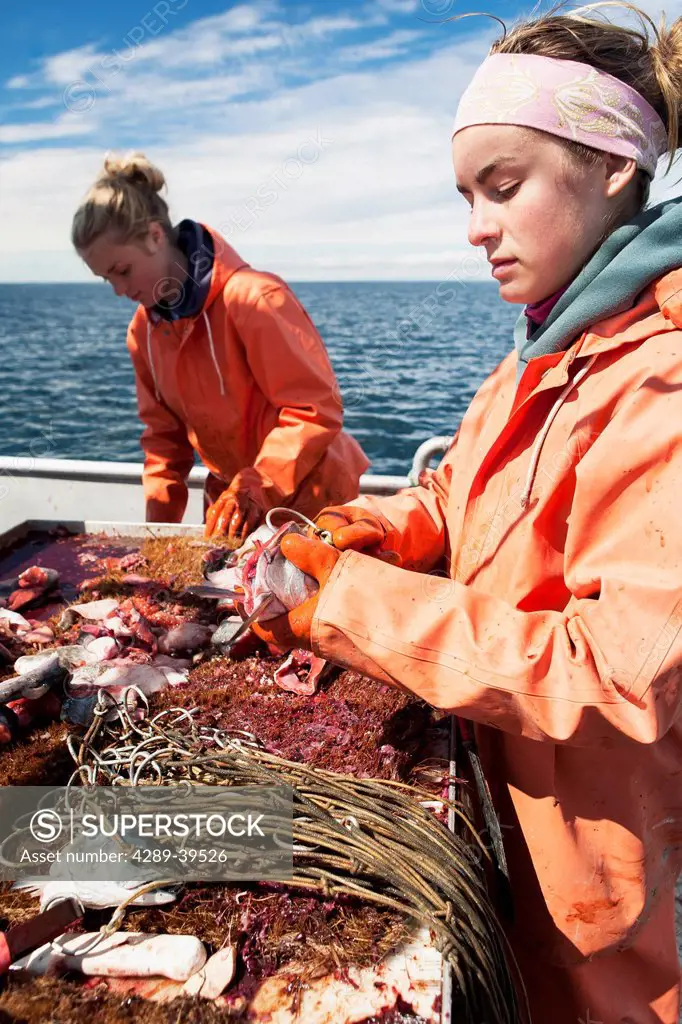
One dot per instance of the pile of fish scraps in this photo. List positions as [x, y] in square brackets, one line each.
[152, 624]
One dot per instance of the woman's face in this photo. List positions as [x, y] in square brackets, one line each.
[138, 269]
[537, 215]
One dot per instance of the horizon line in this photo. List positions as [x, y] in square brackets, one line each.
[330, 280]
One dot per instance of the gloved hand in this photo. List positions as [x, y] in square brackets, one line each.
[239, 509]
[293, 629]
[354, 527]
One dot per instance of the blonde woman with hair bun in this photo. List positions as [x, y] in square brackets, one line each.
[228, 364]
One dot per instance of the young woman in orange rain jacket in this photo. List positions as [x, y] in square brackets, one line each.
[557, 627]
[227, 362]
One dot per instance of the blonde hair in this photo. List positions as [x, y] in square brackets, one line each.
[124, 200]
[648, 58]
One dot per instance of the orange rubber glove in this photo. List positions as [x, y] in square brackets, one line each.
[293, 629]
[353, 527]
[239, 509]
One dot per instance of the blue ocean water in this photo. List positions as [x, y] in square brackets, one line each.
[408, 356]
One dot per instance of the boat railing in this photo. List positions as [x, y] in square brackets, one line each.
[39, 488]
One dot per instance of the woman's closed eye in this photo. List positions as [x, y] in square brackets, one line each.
[502, 194]
[498, 195]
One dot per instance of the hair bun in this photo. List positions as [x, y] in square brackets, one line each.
[134, 168]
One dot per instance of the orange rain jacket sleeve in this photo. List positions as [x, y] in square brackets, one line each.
[414, 519]
[611, 659]
[290, 366]
[168, 453]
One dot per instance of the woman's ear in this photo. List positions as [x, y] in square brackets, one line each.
[619, 171]
[155, 236]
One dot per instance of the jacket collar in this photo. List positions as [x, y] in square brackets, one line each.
[658, 310]
[226, 263]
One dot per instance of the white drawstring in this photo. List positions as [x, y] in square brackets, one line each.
[213, 355]
[540, 439]
[150, 357]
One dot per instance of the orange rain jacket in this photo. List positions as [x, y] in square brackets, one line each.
[246, 383]
[558, 632]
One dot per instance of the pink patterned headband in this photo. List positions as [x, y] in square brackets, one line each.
[565, 98]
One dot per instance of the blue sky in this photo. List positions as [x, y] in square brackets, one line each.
[314, 135]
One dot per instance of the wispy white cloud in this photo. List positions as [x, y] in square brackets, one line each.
[67, 67]
[393, 45]
[399, 6]
[177, 98]
[18, 82]
[40, 131]
[208, 41]
[42, 103]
